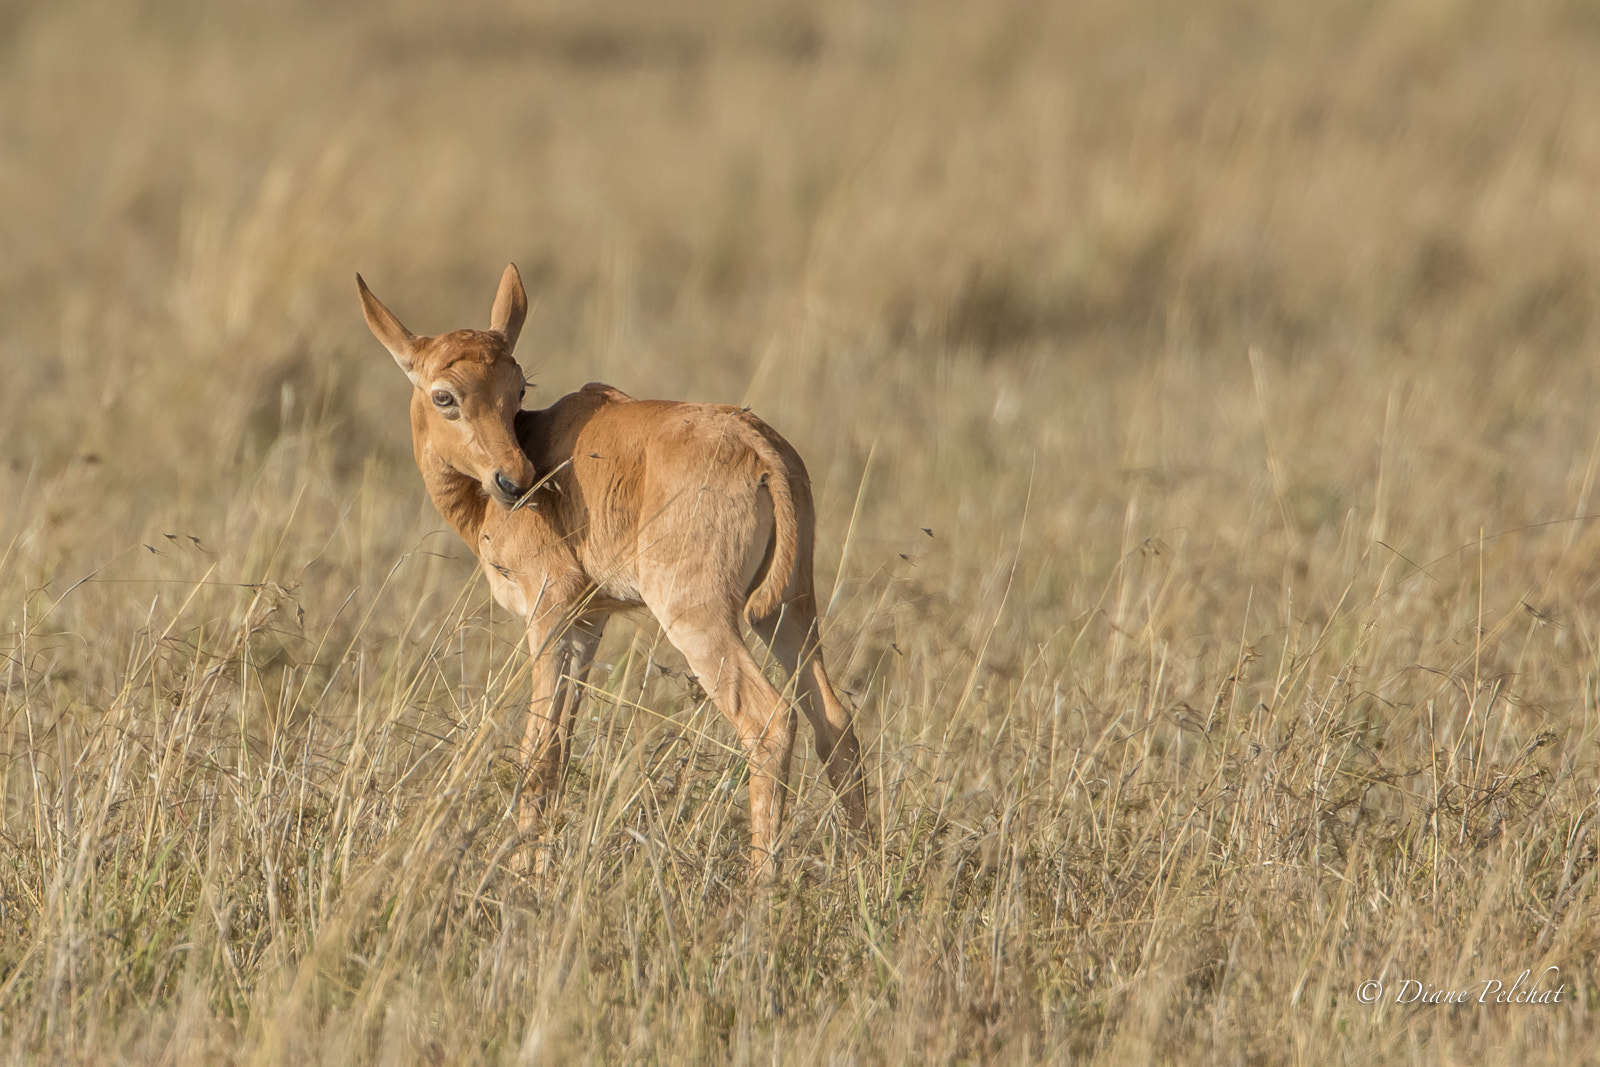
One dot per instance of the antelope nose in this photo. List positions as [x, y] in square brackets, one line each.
[510, 488]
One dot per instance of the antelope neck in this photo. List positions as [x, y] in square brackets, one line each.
[458, 497]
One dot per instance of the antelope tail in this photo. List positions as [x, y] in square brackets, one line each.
[767, 596]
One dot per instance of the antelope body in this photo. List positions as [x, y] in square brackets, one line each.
[701, 513]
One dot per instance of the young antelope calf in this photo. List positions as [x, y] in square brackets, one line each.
[599, 503]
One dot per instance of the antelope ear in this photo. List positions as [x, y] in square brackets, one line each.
[510, 306]
[401, 342]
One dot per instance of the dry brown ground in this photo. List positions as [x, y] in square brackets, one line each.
[1240, 357]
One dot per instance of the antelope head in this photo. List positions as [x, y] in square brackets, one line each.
[467, 392]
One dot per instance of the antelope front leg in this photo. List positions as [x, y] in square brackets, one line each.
[562, 655]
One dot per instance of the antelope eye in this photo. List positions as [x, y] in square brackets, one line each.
[444, 399]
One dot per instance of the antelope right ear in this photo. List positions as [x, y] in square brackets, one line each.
[510, 306]
[401, 342]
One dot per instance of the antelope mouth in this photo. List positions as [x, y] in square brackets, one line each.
[507, 493]
[525, 498]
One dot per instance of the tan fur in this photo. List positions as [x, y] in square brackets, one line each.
[700, 512]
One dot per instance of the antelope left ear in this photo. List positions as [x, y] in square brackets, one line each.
[510, 306]
[401, 342]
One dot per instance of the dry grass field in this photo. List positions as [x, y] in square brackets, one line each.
[1203, 406]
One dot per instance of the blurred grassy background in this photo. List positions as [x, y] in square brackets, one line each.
[1240, 357]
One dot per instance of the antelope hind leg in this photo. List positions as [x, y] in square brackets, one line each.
[791, 634]
[763, 719]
